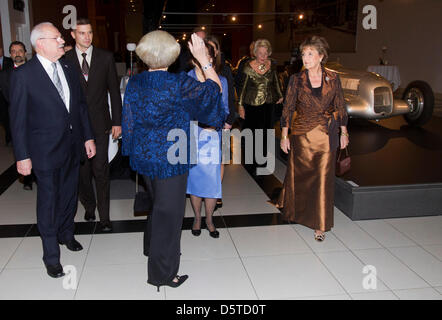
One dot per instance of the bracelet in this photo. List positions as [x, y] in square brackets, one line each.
[284, 137]
[207, 67]
[345, 134]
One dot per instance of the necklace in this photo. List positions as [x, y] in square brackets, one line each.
[262, 67]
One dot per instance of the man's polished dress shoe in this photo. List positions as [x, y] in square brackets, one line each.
[106, 226]
[55, 271]
[89, 216]
[27, 186]
[73, 245]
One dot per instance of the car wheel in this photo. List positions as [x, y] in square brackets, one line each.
[421, 98]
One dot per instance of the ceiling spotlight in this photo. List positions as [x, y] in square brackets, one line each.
[301, 16]
[203, 28]
[233, 18]
[259, 26]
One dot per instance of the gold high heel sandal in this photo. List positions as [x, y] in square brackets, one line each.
[319, 237]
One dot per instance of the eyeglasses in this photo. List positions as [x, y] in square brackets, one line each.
[57, 38]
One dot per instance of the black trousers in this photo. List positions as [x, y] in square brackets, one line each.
[4, 119]
[259, 117]
[98, 168]
[162, 237]
[57, 199]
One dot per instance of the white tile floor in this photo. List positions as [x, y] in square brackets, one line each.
[266, 262]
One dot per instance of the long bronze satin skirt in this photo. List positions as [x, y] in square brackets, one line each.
[308, 193]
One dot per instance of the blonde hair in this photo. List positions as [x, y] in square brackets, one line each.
[158, 49]
[264, 43]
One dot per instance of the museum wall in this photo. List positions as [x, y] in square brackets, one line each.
[411, 31]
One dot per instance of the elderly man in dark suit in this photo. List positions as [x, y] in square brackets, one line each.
[51, 133]
[98, 74]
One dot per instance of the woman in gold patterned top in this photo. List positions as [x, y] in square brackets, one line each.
[314, 110]
[260, 89]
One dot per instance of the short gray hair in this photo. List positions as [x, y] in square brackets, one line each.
[158, 49]
[37, 32]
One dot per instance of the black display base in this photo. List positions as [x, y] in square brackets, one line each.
[384, 202]
[396, 170]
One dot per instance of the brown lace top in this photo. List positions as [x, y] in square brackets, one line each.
[303, 110]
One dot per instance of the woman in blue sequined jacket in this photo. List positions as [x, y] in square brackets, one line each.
[157, 111]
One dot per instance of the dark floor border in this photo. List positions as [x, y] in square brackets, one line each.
[7, 178]
[136, 226]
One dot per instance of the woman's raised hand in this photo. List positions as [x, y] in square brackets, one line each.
[198, 49]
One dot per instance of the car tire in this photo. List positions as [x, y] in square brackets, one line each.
[422, 98]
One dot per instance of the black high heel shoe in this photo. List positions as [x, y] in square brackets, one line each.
[213, 234]
[173, 284]
[196, 232]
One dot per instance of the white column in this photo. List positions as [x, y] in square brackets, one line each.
[6, 25]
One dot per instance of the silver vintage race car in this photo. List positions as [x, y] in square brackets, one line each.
[370, 96]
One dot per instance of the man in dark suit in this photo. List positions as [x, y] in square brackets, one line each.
[6, 65]
[17, 50]
[98, 74]
[51, 133]
[5, 62]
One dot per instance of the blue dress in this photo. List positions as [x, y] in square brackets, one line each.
[158, 103]
[204, 179]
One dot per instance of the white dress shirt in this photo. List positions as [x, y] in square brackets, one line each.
[47, 65]
[88, 57]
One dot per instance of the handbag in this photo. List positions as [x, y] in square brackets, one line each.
[143, 202]
[343, 165]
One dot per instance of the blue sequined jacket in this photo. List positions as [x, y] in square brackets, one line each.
[156, 103]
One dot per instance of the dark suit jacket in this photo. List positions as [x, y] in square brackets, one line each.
[5, 77]
[102, 78]
[7, 63]
[40, 123]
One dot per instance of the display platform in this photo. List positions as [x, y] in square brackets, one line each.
[396, 170]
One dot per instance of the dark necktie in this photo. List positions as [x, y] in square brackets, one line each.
[85, 66]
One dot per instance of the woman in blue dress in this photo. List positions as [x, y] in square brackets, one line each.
[204, 181]
[157, 111]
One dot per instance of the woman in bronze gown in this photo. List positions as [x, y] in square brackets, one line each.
[314, 110]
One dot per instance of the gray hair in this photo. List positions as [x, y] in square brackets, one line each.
[37, 32]
[158, 49]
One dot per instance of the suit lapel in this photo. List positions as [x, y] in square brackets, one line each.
[93, 66]
[67, 75]
[49, 82]
[74, 58]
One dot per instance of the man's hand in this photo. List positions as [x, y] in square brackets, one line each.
[116, 132]
[90, 148]
[24, 167]
[280, 101]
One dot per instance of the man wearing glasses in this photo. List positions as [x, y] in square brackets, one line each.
[51, 132]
